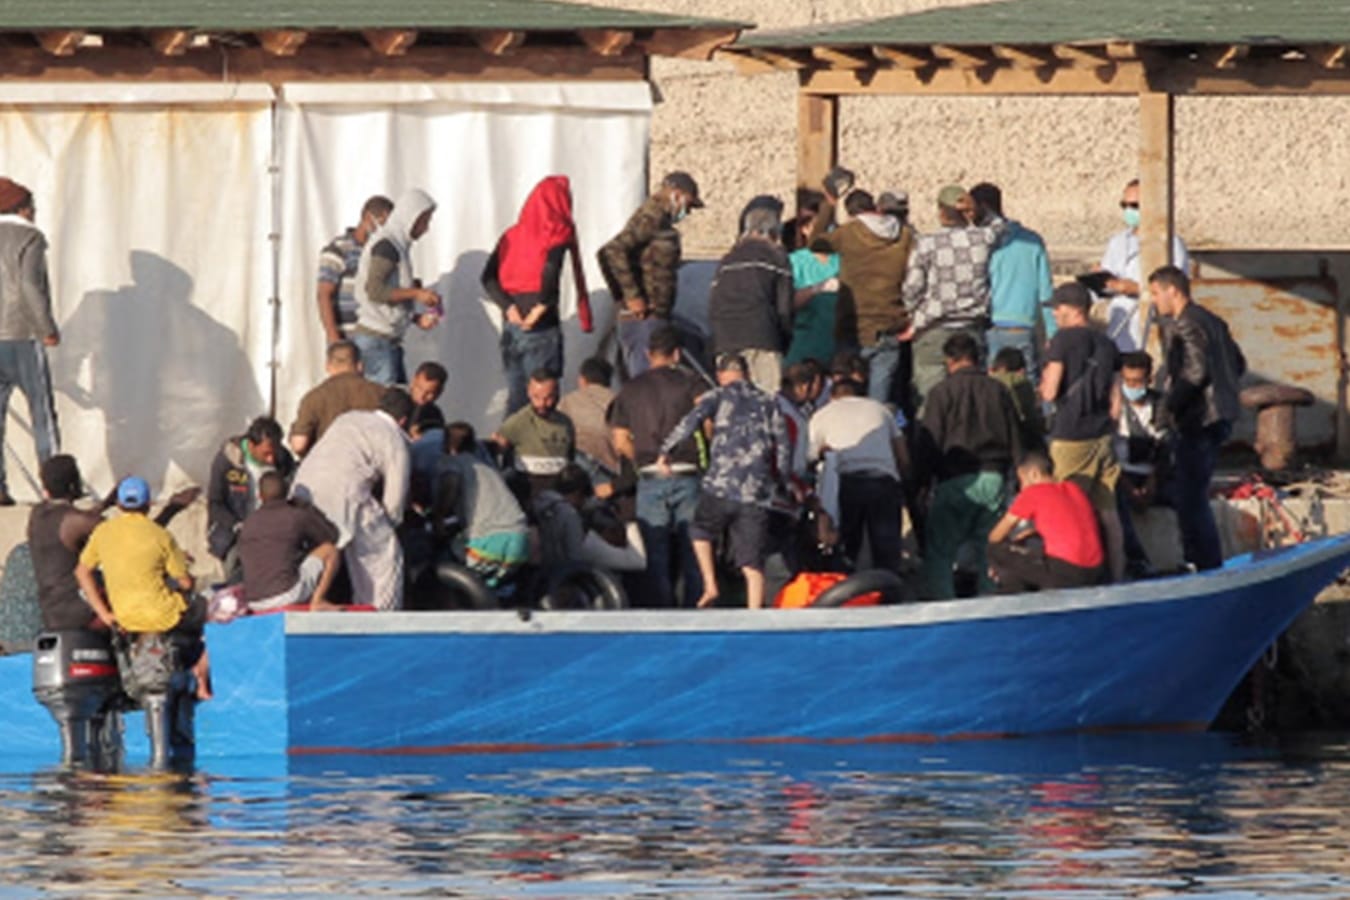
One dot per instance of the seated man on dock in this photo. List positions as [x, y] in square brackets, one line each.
[1060, 512]
[139, 561]
[288, 551]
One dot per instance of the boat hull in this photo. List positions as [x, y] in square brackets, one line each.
[1155, 655]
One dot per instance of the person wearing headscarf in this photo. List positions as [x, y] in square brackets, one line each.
[26, 324]
[388, 296]
[523, 276]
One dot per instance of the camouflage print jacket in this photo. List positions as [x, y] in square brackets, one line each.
[750, 453]
[643, 259]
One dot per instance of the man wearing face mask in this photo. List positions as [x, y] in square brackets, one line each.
[1121, 261]
[641, 266]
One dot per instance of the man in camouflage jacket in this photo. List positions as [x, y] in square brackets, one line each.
[641, 266]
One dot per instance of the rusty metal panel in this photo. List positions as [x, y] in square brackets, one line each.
[1288, 329]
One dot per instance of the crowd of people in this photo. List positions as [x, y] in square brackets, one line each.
[854, 373]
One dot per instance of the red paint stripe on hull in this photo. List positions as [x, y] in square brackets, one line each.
[489, 748]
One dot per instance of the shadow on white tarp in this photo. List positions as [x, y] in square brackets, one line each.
[159, 219]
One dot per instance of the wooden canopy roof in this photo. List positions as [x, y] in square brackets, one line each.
[340, 39]
[1072, 47]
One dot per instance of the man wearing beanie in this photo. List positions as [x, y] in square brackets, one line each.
[26, 323]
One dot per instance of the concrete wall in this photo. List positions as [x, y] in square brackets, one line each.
[1252, 172]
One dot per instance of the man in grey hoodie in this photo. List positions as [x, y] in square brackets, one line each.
[26, 323]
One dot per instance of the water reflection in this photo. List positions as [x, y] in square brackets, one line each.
[1195, 815]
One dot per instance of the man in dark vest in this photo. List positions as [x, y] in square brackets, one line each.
[58, 531]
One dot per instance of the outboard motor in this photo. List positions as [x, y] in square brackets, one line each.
[75, 676]
[154, 679]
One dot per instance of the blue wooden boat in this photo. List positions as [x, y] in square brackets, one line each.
[1157, 655]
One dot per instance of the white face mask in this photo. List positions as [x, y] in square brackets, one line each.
[678, 210]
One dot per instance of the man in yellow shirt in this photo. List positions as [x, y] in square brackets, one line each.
[141, 565]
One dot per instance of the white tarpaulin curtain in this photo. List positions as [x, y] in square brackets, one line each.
[159, 206]
[157, 219]
[478, 150]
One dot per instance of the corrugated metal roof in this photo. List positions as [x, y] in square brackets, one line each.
[1046, 22]
[252, 15]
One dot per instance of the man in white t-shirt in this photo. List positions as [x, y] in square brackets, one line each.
[870, 454]
[1121, 260]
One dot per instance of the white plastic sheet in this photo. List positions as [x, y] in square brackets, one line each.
[159, 209]
[478, 150]
[157, 219]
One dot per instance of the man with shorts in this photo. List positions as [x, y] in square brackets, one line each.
[145, 572]
[750, 455]
[288, 551]
[1079, 378]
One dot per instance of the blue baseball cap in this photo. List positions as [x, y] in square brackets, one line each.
[133, 493]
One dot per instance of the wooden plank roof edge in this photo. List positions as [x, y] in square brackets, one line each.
[691, 42]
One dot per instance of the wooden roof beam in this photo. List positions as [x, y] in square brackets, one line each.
[499, 42]
[689, 43]
[170, 41]
[1226, 57]
[606, 41]
[903, 57]
[1332, 57]
[1083, 56]
[840, 58]
[1026, 57]
[964, 57]
[60, 43]
[777, 59]
[390, 41]
[283, 41]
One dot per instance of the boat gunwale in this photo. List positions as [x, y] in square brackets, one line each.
[642, 621]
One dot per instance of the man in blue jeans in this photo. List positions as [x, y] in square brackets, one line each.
[26, 324]
[1019, 282]
[646, 410]
[1203, 365]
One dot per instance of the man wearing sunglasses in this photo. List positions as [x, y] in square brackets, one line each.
[1121, 260]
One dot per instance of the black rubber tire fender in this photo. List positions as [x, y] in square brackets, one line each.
[603, 589]
[887, 583]
[458, 578]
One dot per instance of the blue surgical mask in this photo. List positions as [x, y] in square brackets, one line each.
[1133, 394]
[678, 213]
[1131, 216]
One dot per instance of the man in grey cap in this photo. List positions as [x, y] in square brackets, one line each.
[947, 285]
[751, 302]
[26, 324]
[641, 266]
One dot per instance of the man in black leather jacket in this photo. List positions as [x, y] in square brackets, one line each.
[1202, 366]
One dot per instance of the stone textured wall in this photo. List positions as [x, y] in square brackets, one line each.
[1252, 172]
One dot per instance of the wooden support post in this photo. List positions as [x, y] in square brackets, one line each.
[1156, 168]
[817, 137]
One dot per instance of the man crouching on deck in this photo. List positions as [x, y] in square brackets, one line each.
[140, 560]
[1061, 513]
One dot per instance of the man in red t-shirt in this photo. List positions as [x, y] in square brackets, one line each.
[1062, 515]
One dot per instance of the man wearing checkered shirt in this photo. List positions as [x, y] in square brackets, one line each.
[947, 285]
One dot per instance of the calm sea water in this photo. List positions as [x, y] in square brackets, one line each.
[1197, 815]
